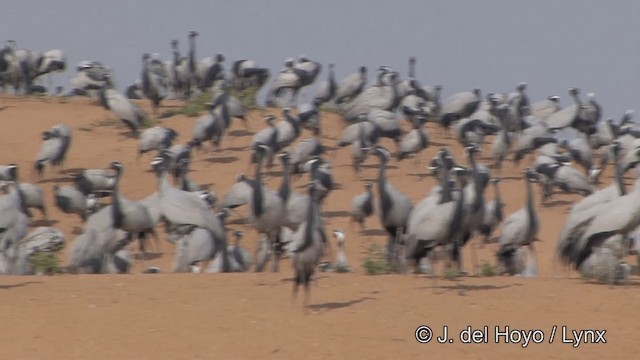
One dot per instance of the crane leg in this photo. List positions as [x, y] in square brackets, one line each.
[474, 257]
[534, 260]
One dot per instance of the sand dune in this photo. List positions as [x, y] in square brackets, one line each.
[198, 316]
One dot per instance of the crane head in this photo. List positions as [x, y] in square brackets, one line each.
[339, 235]
[116, 165]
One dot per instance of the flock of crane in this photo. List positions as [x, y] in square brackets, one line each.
[595, 239]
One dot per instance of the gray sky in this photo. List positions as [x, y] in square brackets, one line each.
[489, 44]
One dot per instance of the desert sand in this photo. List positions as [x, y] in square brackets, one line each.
[251, 315]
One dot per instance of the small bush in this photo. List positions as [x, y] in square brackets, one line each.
[375, 263]
[45, 263]
[331, 109]
[451, 274]
[341, 269]
[247, 97]
[148, 122]
[108, 122]
[197, 104]
[487, 269]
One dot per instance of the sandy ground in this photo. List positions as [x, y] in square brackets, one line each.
[237, 316]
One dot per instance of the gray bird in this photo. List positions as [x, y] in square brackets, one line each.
[362, 206]
[502, 142]
[151, 87]
[350, 87]
[52, 150]
[247, 73]
[156, 138]
[186, 208]
[32, 198]
[13, 221]
[308, 248]
[242, 259]
[239, 194]
[267, 137]
[520, 229]
[129, 215]
[288, 130]
[544, 108]
[360, 148]
[341, 265]
[292, 78]
[493, 213]
[99, 248]
[91, 181]
[568, 115]
[295, 203]
[459, 106]
[184, 183]
[132, 116]
[566, 178]
[619, 217]
[327, 89]
[584, 210]
[394, 206]
[382, 96]
[72, 201]
[40, 240]
[267, 210]
[414, 141]
[304, 150]
[363, 128]
[437, 219]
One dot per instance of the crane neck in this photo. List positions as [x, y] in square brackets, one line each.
[618, 173]
[530, 202]
[412, 69]
[257, 189]
[285, 185]
[445, 195]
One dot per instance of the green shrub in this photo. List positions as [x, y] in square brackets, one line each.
[197, 104]
[341, 269]
[375, 263]
[331, 109]
[148, 122]
[451, 274]
[487, 269]
[247, 97]
[45, 262]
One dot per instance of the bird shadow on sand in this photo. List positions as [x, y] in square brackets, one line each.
[463, 288]
[419, 176]
[222, 159]
[238, 133]
[338, 305]
[128, 134]
[238, 221]
[275, 173]
[237, 148]
[147, 256]
[510, 177]
[11, 286]
[373, 232]
[376, 166]
[618, 285]
[55, 180]
[44, 222]
[72, 171]
[339, 213]
[557, 203]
